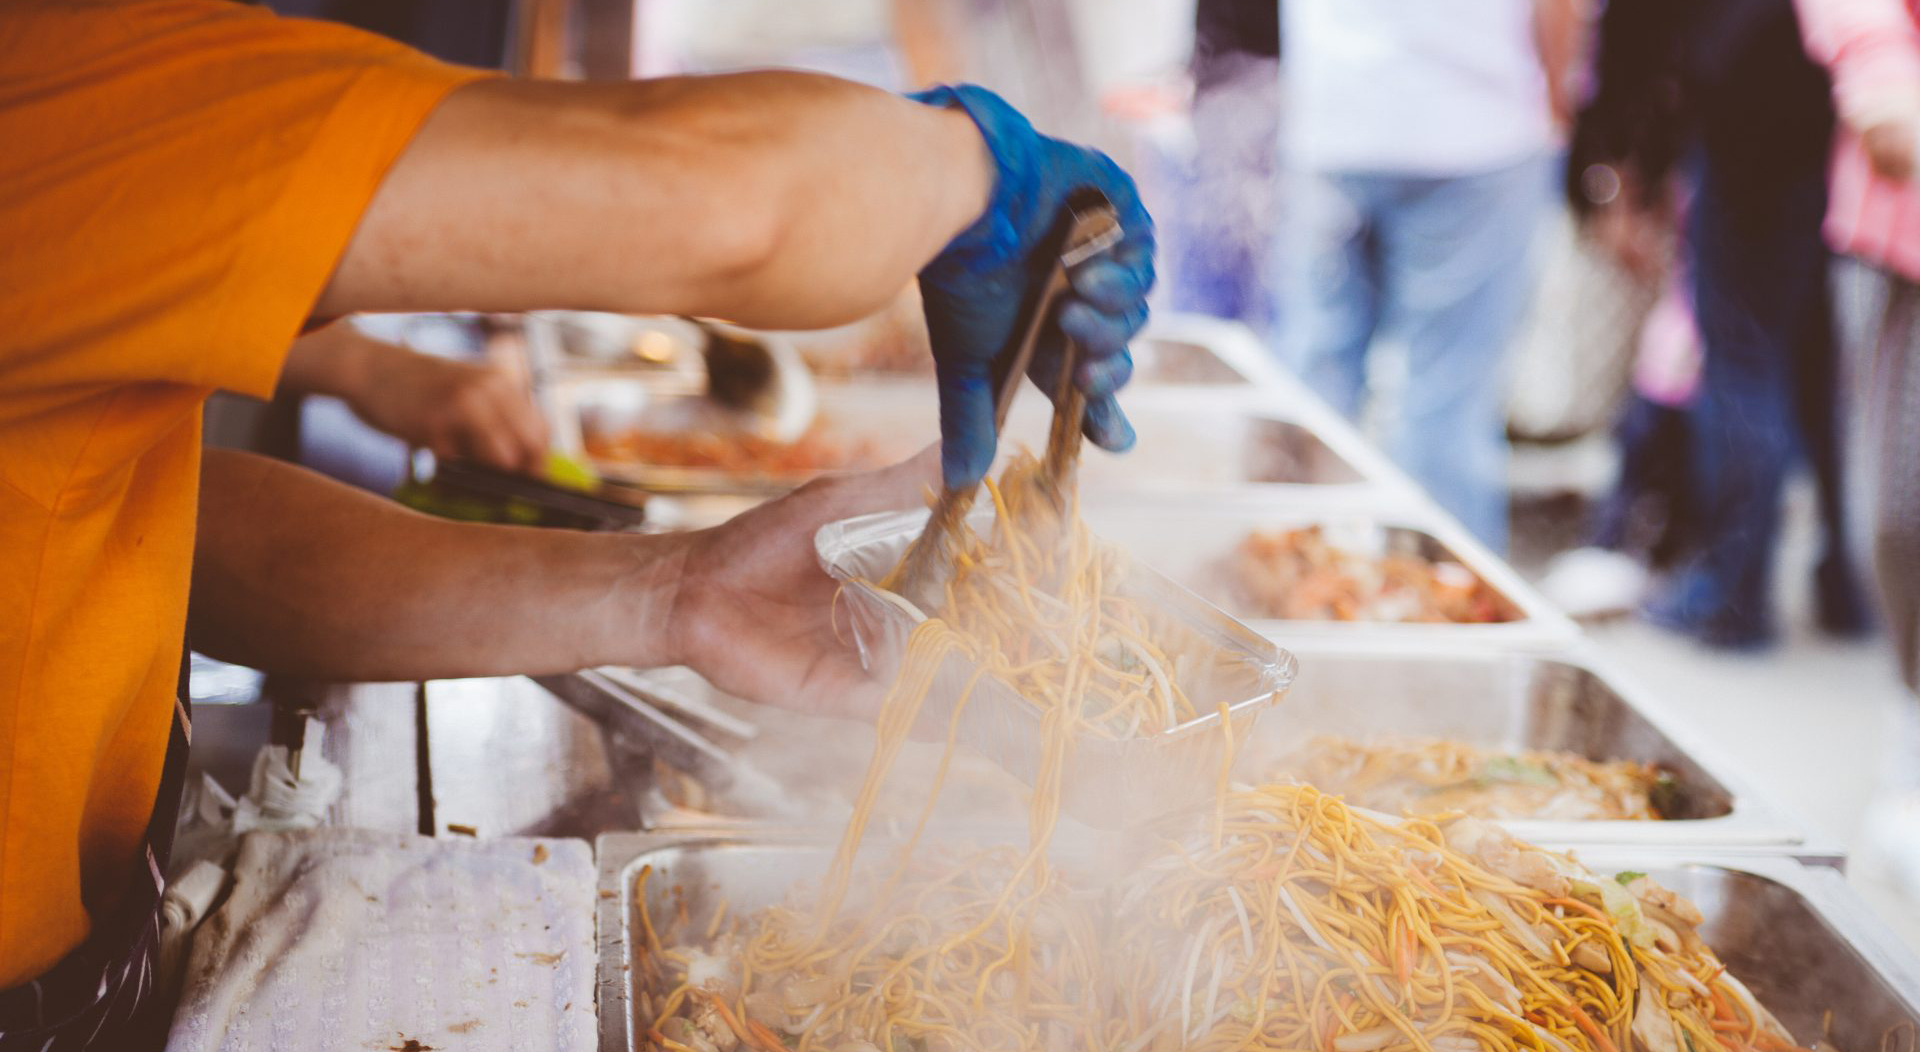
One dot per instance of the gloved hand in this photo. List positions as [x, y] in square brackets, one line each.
[973, 290]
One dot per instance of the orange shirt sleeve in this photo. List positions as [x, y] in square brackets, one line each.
[178, 179]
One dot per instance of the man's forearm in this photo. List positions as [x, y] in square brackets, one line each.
[297, 574]
[1559, 28]
[332, 360]
[773, 199]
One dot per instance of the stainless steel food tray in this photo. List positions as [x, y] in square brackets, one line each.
[1188, 439]
[1194, 350]
[1799, 937]
[1561, 699]
[1187, 539]
[821, 762]
[1174, 350]
[1524, 698]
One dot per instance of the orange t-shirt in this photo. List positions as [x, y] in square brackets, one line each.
[178, 180]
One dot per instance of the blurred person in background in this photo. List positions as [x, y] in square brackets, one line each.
[1646, 520]
[1708, 115]
[1872, 48]
[1221, 223]
[1417, 138]
[470, 410]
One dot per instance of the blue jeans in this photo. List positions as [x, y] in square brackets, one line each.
[1767, 396]
[1441, 263]
[1218, 220]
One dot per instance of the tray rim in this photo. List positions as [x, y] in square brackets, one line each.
[1824, 890]
[1755, 822]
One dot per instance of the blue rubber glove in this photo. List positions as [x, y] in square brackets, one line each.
[973, 290]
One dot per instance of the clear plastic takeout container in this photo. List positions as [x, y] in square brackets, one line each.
[1108, 782]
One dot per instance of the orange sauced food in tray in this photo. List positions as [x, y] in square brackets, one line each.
[1433, 776]
[819, 449]
[1304, 575]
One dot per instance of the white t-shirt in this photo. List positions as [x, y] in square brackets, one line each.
[1413, 87]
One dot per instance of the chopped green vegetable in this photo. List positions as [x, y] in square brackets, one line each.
[1665, 796]
[1627, 876]
[570, 473]
[1611, 896]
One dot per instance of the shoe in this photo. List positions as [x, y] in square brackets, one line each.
[1893, 835]
[1841, 608]
[1594, 582]
[1679, 608]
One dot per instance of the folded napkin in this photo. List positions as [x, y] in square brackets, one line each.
[346, 939]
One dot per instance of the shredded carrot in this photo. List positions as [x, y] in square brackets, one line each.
[768, 1039]
[1425, 884]
[1593, 1030]
[1579, 907]
[726, 1015]
[1403, 950]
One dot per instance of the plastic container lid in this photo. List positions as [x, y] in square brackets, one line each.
[1108, 782]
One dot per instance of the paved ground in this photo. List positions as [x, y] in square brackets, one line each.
[1813, 722]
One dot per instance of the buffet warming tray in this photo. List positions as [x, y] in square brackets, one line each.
[1549, 698]
[1174, 350]
[1553, 699]
[1799, 937]
[1188, 541]
[1188, 439]
[1194, 350]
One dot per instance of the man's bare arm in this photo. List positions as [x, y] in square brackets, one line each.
[299, 574]
[294, 573]
[455, 409]
[774, 199]
[1559, 32]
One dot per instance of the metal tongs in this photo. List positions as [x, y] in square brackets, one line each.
[647, 717]
[1088, 226]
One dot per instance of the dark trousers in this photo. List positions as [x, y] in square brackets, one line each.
[1767, 393]
[1649, 512]
[104, 996]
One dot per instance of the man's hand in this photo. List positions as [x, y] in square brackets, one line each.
[297, 574]
[1890, 144]
[755, 613]
[1639, 239]
[455, 409]
[974, 289]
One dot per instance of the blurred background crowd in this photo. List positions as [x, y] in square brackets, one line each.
[1632, 286]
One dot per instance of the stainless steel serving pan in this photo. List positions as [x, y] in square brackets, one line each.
[1561, 699]
[1175, 350]
[1798, 937]
[1188, 539]
[1520, 698]
[1194, 350]
[1188, 439]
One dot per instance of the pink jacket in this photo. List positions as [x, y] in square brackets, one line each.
[1872, 48]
